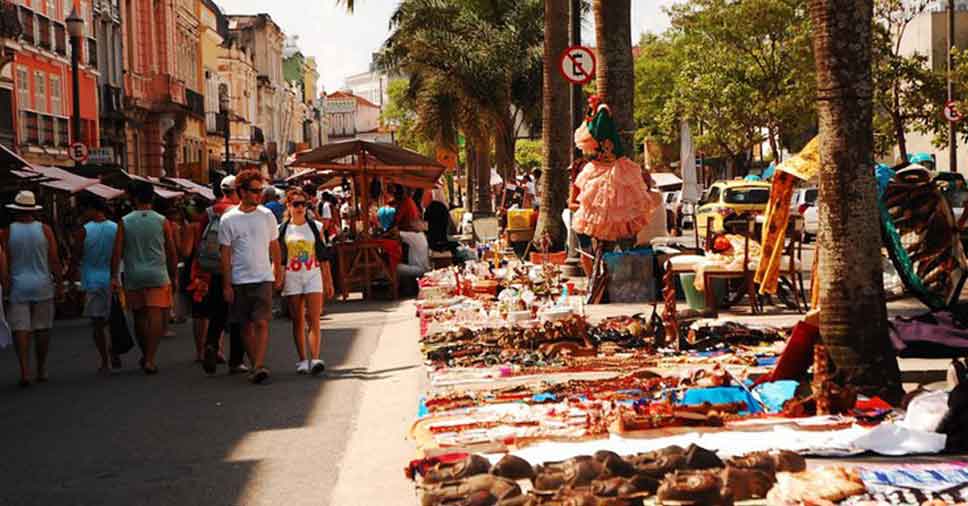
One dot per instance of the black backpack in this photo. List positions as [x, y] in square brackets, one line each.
[324, 253]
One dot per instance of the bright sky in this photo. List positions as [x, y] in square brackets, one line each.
[343, 43]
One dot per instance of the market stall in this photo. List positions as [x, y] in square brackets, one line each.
[366, 257]
[530, 400]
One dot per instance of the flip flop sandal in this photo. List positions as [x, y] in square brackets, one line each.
[260, 376]
[150, 370]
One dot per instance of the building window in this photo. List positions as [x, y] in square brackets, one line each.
[52, 8]
[55, 95]
[40, 92]
[23, 88]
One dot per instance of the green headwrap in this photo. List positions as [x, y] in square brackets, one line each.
[602, 127]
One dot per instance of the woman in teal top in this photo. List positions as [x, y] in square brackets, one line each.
[145, 242]
[144, 250]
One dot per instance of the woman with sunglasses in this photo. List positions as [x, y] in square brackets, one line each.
[301, 242]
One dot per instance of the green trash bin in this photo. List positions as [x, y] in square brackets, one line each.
[697, 299]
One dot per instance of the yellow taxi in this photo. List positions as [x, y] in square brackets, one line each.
[725, 198]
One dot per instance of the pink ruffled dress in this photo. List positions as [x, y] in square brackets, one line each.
[613, 201]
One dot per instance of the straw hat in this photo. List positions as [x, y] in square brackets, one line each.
[25, 201]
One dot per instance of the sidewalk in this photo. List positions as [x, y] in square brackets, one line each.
[378, 448]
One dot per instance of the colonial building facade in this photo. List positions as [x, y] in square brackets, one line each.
[42, 82]
[151, 75]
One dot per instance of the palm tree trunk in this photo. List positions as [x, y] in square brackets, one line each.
[853, 315]
[470, 172]
[504, 144]
[482, 202]
[616, 69]
[556, 126]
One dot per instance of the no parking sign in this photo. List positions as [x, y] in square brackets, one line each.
[577, 64]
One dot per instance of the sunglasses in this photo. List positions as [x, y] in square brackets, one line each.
[253, 190]
[298, 203]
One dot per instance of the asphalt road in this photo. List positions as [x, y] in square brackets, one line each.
[180, 437]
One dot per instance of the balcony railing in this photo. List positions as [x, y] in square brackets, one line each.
[169, 88]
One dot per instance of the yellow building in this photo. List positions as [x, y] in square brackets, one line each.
[188, 69]
[214, 28]
[236, 70]
[310, 80]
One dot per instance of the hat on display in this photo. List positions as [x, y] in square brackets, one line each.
[228, 183]
[25, 201]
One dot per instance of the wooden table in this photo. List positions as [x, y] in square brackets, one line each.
[362, 262]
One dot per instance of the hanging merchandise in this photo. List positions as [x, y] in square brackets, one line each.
[922, 237]
[805, 166]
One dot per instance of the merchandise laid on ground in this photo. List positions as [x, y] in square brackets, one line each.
[533, 401]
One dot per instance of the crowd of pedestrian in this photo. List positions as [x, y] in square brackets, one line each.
[230, 260]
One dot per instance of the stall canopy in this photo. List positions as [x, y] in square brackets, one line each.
[59, 179]
[161, 189]
[375, 159]
[10, 160]
[193, 187]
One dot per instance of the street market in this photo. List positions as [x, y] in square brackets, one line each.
[540, 253]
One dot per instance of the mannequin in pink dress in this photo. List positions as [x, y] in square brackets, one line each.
[614, 201]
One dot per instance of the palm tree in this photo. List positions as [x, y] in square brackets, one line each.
[556, 124]
[853, 315]
[350, 5]
[615, 76]
[475, 50]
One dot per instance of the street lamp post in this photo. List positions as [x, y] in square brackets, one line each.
[75, 28]
[225, 109]
[952, 131]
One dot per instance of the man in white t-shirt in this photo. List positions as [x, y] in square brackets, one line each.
[250, 267]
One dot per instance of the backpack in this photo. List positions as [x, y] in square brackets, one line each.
[323, 252]
[209, 254]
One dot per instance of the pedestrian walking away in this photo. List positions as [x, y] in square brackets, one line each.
[302, 246]
[34, 280]
[207, 281]
[95, 245]
[251, 267]
[145, 243]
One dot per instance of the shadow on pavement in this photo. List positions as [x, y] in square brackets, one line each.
[169, 439]
[362, 373]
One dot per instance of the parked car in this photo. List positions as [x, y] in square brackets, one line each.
[810, 222]
[725, 198]
[803, 198]
[955, 190]
[804, 203]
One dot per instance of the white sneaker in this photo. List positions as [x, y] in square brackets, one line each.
[318, 367]
[302, 367]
